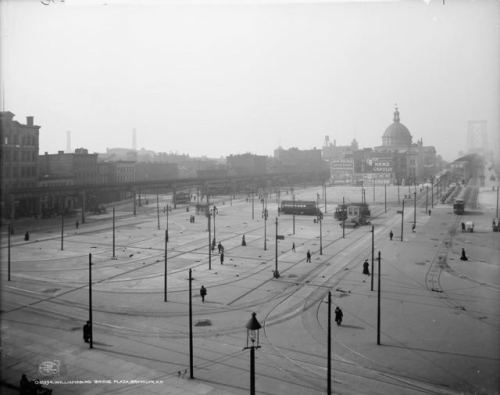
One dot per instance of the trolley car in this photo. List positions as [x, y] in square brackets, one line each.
[459, 207]
[353, 213]
[299, 207]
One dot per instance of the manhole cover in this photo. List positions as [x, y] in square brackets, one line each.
[203, 323]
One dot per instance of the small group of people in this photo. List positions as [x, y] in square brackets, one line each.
[33, 387]
[191, 219]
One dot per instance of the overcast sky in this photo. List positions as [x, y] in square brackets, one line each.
[211, 78]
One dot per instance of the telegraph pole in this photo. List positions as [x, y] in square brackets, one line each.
[373, 252]
[91, 342]
[378, 301]
[8, 252]
[209, 241]
[344, 215]
[385, 198]
[432, 193]
[324, 195]
[426, 199]
[190, 328]
[414, 209]
[252, 206]
[158, 210]
[165, 282]
[402, 218]
[329, 376]
[62, 231]
[293, 214]
[114, 257]
[276, 272]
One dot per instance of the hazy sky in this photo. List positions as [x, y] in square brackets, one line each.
[218, 78]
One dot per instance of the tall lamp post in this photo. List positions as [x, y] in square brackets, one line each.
[265, 215]
[214, 211]
[252, 343]
[320, 219]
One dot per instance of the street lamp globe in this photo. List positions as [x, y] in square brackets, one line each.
[253, 327]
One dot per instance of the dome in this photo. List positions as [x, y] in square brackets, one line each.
[396, 134]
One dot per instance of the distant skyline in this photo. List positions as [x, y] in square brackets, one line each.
[212, 78]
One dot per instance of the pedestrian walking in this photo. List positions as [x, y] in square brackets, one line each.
[391, 235]
[429, 212]
[413, 228]
[219, 246]
[27, 236]
[77, 224]
[464, 257]
[463, 226]
[222, 258]
[86, 332]
[203, 293]
[243, 242]
[308, 256]
[366, 267]
[338, 315]
[293, 246]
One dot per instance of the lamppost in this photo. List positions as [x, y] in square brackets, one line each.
[320, 219]
[214, 211]
[253, 327]
[265, 215]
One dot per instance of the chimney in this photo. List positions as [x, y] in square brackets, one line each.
[68, 141]
[29, 121]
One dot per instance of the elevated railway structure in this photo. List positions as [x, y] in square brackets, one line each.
[54, 200]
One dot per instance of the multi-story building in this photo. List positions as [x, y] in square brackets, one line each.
[298, 161]
[79, 166]
[246, 164]
[411, 162]
[19, 157]
[146, 171]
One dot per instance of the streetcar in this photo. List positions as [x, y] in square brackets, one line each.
[353, 214]
[182, 198]
[459, 207]
[299, 207]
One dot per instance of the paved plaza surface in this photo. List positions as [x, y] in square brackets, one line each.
[440, 319]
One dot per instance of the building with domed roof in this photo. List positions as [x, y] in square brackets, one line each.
[410, 162]
[398, 160]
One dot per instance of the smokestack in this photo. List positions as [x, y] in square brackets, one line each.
[29, 121]
[68, 141]
[134, 140]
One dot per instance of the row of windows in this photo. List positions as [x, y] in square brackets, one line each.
[25, 140]
[24, 171]
[24, 156]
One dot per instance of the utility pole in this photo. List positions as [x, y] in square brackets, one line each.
[91, 342]
[324, 194]
[329, 374]
[158, 209]
[432, 193]
[320, 218]
[253, 205]
[293, 214]
[426, 199]
[374, 190]
[385, 198]
[62, 231]
[190, 328]
[497, 200]
[209, 240]
[165, 282]
[276, 272]
[8, 252]
[378, 301]
[399, 200]
[344, 215]
[402, 218]
[373, 252]
[135, 203]
[414, 209]
[114, 257]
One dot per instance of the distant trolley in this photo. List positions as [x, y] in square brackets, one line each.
[353, 213]
[299, 207]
